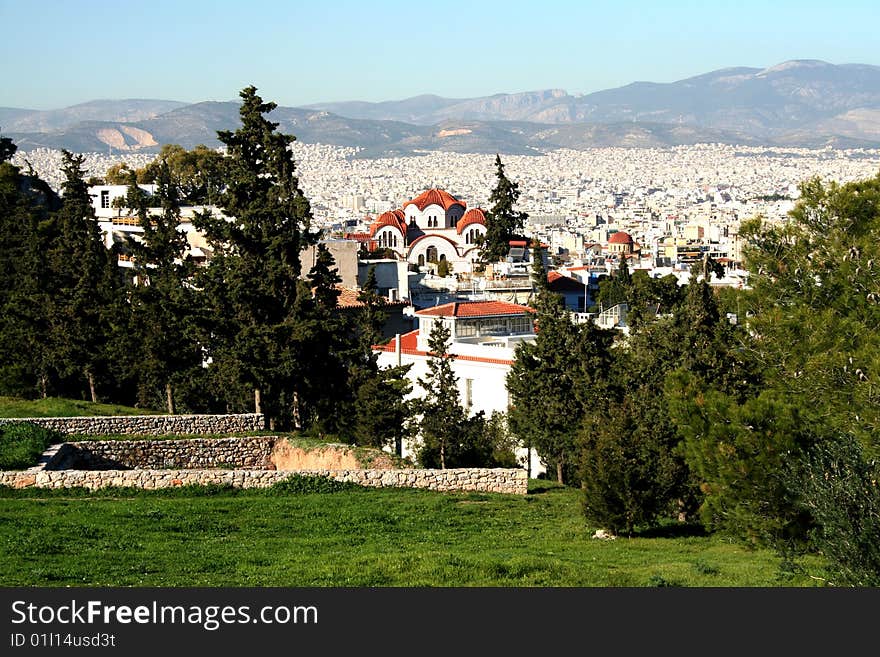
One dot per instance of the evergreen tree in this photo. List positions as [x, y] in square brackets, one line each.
[252, 285]
[25, 236]
[443, 419]
[538, 273]
[373, 316]
[503, 222]
[7, 149]
[617, 289]
[326, 341]
[543, 385]
[383, 413]
[167, 353]
[628, 476]
[84, 283]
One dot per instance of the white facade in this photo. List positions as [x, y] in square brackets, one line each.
[433, 227]
[484, 339]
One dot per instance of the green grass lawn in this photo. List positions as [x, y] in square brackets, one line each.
[59, 407]
[369, 537]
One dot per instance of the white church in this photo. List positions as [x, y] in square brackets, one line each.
[432, 227]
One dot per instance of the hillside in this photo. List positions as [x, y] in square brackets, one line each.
[806, 103]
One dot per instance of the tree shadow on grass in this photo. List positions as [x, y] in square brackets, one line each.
[673, 530]
[538, 486]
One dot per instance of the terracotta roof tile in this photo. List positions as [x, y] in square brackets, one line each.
[472, 216]
[475, 309]
[408, 346]
[435, 197]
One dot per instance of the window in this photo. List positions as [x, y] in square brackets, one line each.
[519, 325]
[105, 198]
[465, 329]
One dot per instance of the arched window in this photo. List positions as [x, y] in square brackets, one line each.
[431, 254]
[421, 260]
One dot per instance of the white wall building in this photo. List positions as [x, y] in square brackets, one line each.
[432, 227]
[484, 336]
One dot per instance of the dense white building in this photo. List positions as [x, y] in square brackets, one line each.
[484, 336]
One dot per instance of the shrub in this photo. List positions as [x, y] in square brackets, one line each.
[839, 488]
[21, 444]
[304, 484]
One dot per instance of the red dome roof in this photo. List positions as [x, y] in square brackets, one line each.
[388, 219]
[435, 197]
[472, 216]
[620, 237]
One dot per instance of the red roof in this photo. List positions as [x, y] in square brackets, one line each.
[435, 197]
[475, 309]
[409, 342]
[472, 216]
[620, 237]
[388, 219]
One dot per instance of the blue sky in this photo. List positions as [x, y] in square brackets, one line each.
[56, 53]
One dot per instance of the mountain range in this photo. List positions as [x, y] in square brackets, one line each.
[806, 103]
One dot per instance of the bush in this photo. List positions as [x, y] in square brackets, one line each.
[630, 475]
[839, 489]
[21, 444]
[304, 484]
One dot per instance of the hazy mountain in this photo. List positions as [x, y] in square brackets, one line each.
[429, 110]
[838, 100]
[797, 103]
[761, 102]
[117, 111]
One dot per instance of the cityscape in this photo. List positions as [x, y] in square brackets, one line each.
[315, 310]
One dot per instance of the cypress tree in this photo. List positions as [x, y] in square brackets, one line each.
[163, 301]
[503, 222]
[84, 282]
[25, 203]
[253, 285]
[443, 418]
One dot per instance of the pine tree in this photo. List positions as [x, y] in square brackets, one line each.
[25, 204]
[382, 411]
[544, 411]
[373, 315]
[503, 222]
[618, 288]
[326, 340]
[443, 419]
[538, 274]
[163, 302]
[252, 284]
[84, 282]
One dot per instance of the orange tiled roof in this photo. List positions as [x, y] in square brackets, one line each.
[435, 197]
[388, 219]
[620, 237]
[475, 309]
[472, 216]
[408, 346]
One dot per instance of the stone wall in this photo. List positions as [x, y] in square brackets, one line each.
[494, 480]
[197, 453]
[149, 425]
